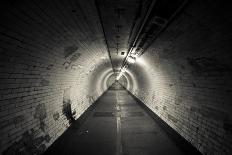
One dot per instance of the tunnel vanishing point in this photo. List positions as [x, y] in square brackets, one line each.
[115, 77]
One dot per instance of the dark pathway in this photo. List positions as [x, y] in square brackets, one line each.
[117, 125]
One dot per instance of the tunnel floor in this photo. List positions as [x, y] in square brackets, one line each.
[117, 125]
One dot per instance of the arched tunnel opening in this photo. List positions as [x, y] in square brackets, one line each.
[124, 77]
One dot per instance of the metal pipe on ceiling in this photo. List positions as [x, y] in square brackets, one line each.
[107, 46]
[138, 33]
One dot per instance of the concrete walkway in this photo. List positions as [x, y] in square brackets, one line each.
[117, 125]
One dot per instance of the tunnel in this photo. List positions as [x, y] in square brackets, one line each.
[115, 77]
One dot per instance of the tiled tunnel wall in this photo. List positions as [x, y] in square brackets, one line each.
[190, 76]
[48, 67]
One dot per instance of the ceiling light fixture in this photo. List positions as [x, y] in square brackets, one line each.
[123, 70]
[131, 59]
[119, 76]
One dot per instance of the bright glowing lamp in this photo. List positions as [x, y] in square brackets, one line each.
[131, 59]
[123, 70]
[119, 76]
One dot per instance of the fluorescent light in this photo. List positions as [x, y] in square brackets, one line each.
[123, 70]
[119, 76]
[131, 59]
[134, 55]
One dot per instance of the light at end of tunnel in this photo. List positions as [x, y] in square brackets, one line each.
[131, 59]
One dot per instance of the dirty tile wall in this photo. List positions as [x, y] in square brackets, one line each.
[191, 76]
[45, 67]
